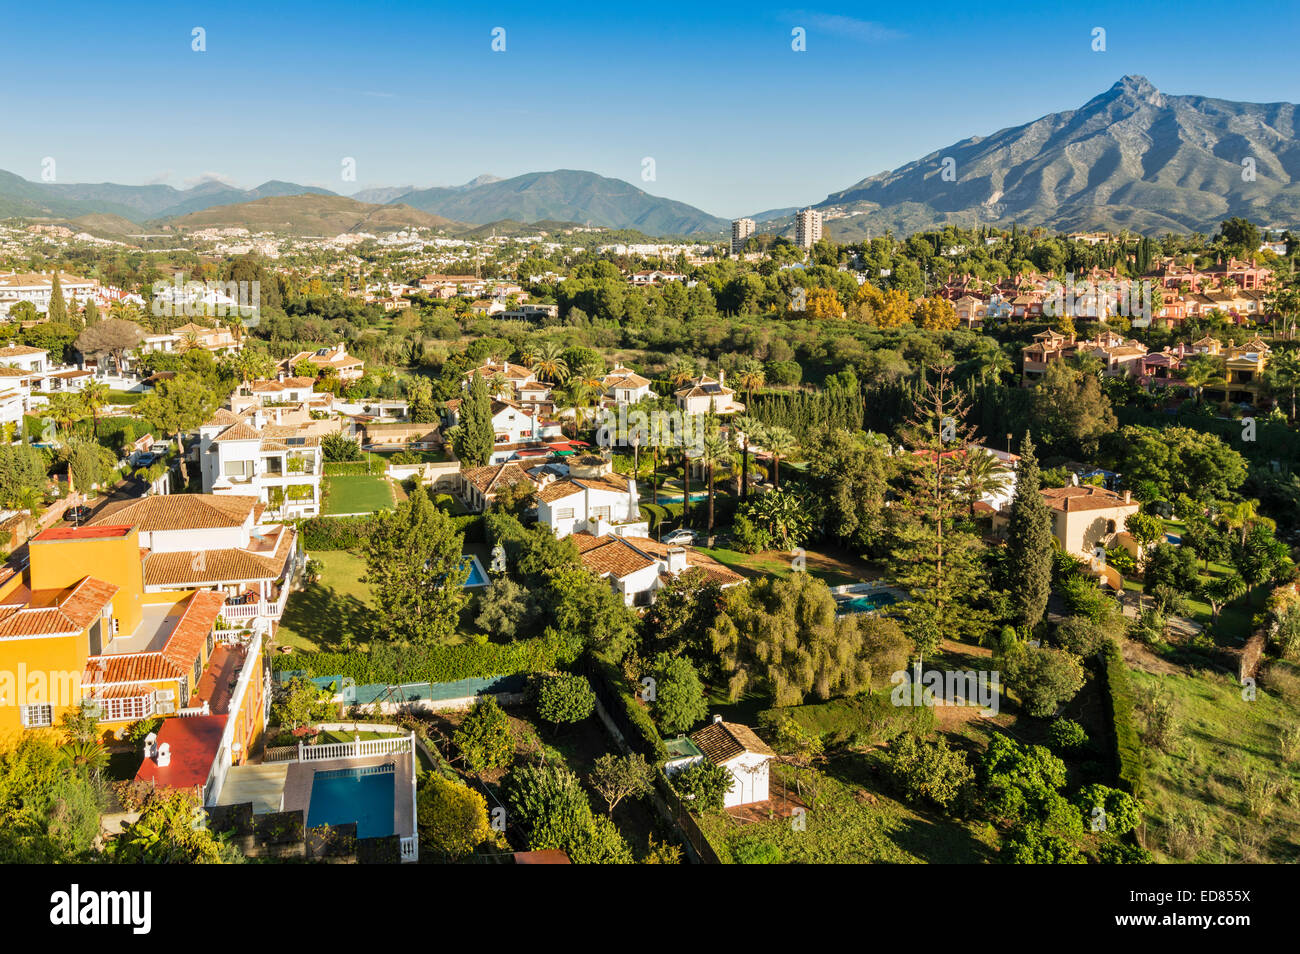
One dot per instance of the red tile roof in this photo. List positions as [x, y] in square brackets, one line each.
[82, 533]
[193, 742]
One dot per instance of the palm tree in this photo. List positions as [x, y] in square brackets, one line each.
[660, 436]
[981, 475]
[526, 354]
[714, 450]
[750, 376]
[1201, 371]
[1283, 375]
[65, 410]
[578, 396]
[94, 396]
[749, 427]
[990, 359]
[1242, 515]
[779, 442]
[550, 364]
[682, 372]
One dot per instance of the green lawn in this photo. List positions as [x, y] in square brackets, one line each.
[359, 494]
[833, 568]
[849, 820]
[1222, 793]
[321, 615]
[337, 611]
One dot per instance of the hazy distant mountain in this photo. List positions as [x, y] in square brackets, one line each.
[326, 215]
[1132, 157]
[381, 194]
[566, 195]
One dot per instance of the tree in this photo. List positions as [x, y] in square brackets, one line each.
[417, 570]
[473, 435]
[550, 805]
[679, 701]
[484, 739]
[714, 450]
[779, 442]
[929, 771]
[113, 337]
[94, 395]
[564, 697]
[783, 517]
[1070, 411]
[167, 833]
[782, 634]
[1222, 591]
[616, 777]
[934, 559]
[507, 609]
[849, 476]
[453, 818]
[703, 786]
[176, 406]
[980, 474]
[339, 447]
[1043, 679]
[1029, 544]
[57, 310]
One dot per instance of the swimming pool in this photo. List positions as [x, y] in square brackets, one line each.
[361, 795]
[476, 575]
[868, 603]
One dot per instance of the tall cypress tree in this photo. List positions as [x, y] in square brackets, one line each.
[1029, 540]
[474, 436]
[58, 310]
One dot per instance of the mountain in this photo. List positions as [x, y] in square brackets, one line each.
[19, 196]
[378, 195]
[565, 195]
[1133, 158]
[323, 215]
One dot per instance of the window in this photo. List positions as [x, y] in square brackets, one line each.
[238, 468]
[36, 716]
[125, 710]
[564, 513]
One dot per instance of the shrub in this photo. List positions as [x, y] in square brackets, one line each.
[334, 533]
[679, 701]
[929, 771]
[1128, 746]
[703, 786]
[484, 739]
[756, 853]
[467, 660]
[563, 697]
[453, 817]
[1066, 734]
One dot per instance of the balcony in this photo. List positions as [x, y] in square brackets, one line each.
[246, 609]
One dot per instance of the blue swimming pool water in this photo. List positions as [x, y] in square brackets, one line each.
[867, 603]
[476, 576]
[361, 795]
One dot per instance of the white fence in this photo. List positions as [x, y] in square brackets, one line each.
[261, 608]
[410, 849]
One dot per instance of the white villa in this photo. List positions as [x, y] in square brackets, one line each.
[637, 567]
[249, 455]
[201, 541]
[592, 499]
[706, 394]
[624, 386]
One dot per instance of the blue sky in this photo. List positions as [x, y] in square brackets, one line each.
[735, 120]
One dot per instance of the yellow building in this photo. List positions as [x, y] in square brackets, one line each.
[66, 635]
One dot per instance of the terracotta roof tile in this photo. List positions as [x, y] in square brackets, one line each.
[723, 741]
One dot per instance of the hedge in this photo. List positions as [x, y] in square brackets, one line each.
[862, 720]
[334, 533]
[431, 664]
[1129, 760]
[351, 468]
[627, 712]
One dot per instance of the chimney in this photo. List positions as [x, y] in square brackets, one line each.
[1128, 496]
[717, 719]
[677, 560]
[164, 755]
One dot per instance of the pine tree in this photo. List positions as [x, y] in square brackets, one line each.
[935, 559]
[1029, 543]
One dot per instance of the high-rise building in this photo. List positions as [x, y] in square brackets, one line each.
[807, 228]
[741, 229]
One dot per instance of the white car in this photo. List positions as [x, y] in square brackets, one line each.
[680, 538]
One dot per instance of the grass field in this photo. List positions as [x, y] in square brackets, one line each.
[1222, 792]
[322, 615]
[359, 494]
[833, 568]
[848, 820]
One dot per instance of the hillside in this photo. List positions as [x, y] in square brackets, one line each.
[566, 195]
[1132, 158]
[310, 215]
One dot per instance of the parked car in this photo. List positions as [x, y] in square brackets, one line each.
[77, 515]
[680, 538]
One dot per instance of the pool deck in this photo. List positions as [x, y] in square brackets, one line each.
[298, 783]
